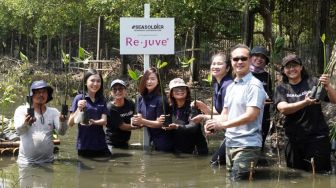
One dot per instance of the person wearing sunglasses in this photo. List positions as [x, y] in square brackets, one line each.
[260, 59]
[241, 116]
[121, 110]
[304, 124]
[36, 133]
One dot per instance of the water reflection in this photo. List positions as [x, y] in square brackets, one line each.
[36, 175]
[137, 168]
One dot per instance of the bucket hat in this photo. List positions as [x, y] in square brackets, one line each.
[176, 82]
[40, 84]
[260, 50]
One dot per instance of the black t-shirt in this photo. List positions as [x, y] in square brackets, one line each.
[265, 78]
[308, 123]
[117, 115]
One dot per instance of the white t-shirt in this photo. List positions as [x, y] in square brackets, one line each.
[36, 143]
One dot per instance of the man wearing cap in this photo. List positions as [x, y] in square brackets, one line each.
[241, 116]
[304, 124]
[36, 133]
[259, 59]
[121, 109]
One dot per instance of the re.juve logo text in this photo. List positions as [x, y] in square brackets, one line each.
[146, 43]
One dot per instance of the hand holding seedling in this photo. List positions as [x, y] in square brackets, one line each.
[310, 101]
[198, 119]
[161, 119]
[81, 104]
[211, 126]
[324, 79]
[137, 120]
[29, 120]
[172, 126]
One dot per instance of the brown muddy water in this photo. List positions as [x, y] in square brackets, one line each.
[137, 168]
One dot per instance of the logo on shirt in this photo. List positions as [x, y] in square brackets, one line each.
[126, 114]
[296, 95]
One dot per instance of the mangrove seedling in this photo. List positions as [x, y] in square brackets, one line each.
[30, 109]
[135, 77]
[160, 65]
[84, 57]
[318, 92]
[66, 61]
[186, 63]
[209, 81]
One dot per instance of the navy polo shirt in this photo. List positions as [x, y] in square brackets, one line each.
[150, 106]
[220, 91]
[91, 137]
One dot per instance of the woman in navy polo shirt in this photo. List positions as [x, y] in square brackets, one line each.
[91, 137]
[150, 109]
[221, 70]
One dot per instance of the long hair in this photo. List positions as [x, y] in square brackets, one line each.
[304, 74]
[90, 72]
[172, 101]
[227, 61]
[142, 85]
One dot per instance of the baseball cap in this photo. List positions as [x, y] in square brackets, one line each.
[291, 58]
[118, 81]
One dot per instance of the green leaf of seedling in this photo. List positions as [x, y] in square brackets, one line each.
[185, 65]
[86, 61]
[163, 64]
[65, 58]
[133, 75]
[323, 37]
[24, 58]
[191, 60]
[81, 53]
[208, 79]
[77, 60]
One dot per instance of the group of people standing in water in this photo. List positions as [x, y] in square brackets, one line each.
[242, 97]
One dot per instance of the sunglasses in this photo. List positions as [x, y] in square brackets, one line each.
[181, 88]
[115, 89]
[243, 58]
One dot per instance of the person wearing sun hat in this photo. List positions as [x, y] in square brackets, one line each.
[187, 135]
[36, 133]
[121, 110]
[305, 126]
[259, 60]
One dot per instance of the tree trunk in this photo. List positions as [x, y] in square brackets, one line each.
[48, 50]
[195, 44]
[248, 26]
[12, 45]
[321, 28]
[38, 51]
[123, 61]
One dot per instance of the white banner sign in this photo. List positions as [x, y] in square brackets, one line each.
[147, 36]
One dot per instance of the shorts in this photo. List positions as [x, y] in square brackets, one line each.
[240, 160]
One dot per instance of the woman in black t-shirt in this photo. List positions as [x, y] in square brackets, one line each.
[304, 124]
